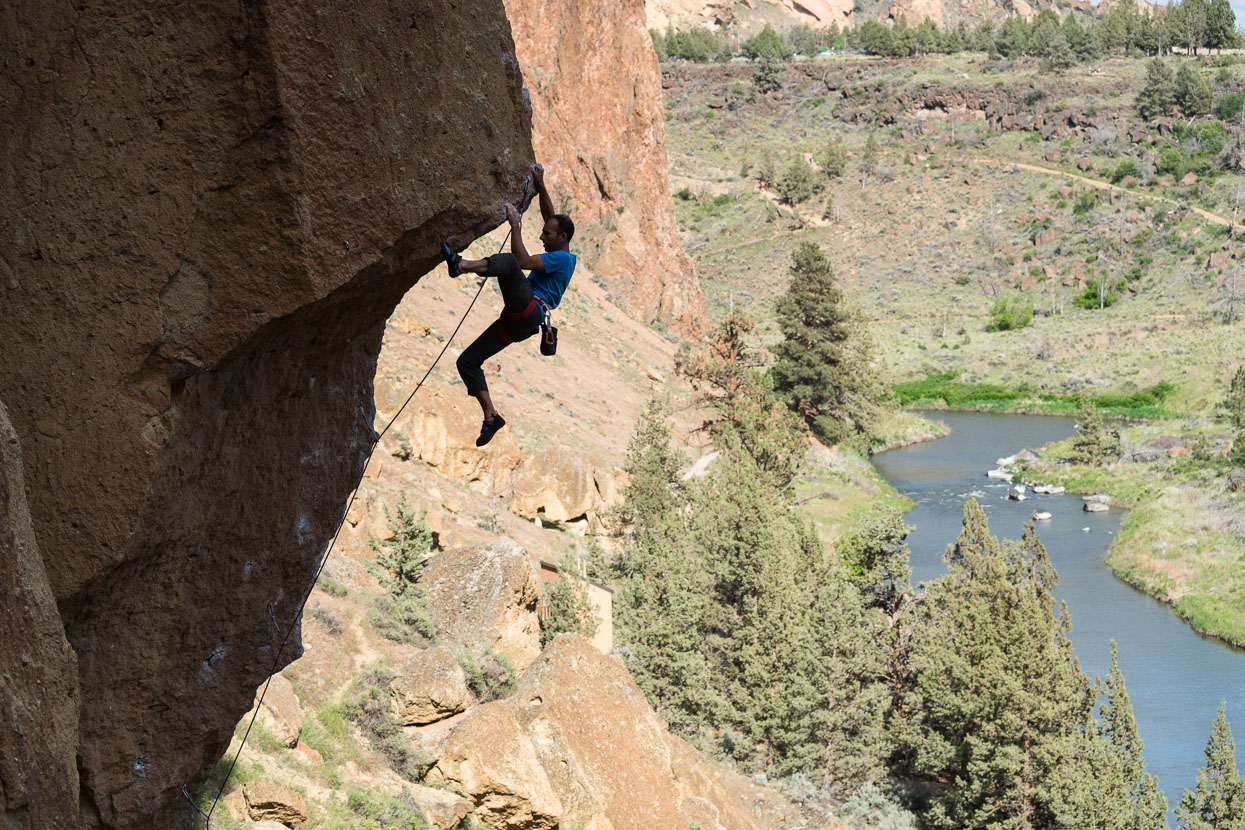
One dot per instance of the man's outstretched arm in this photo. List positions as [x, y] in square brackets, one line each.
[546, 204]
[529, 261]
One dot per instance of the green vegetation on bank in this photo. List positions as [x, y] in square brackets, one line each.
[946, 390]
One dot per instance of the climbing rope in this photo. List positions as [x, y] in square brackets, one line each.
[341, 520]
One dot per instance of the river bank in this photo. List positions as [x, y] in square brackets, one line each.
[1183, 539]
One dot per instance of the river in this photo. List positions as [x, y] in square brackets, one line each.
[1175, 677]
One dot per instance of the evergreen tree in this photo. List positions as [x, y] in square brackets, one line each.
[1139, 794]
[1059, 54]
[822, 365]
[401, 614]
[1094, 445]
[1158, 95]
[1220, 25]
[1218, 800]
[767, 45]
[1235, 402]
[661, 604]
[1192, 91]
[768, 75]
[795, 185]
[1013, 37]
[998, 697]
[833, 159]
[567, 607]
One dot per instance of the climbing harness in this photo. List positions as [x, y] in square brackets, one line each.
[341, 520]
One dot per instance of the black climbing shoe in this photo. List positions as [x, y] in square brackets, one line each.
[489, 428]
[451, 259]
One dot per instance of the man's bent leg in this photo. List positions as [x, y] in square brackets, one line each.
[516, 291]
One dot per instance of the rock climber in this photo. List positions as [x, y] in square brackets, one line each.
[526, 299]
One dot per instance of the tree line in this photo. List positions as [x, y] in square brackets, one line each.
[1126, 29]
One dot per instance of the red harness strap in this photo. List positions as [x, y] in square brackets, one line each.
[506, 339]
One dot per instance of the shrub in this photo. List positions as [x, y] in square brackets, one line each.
[1086, 202]
[833, 159]
[1229, 106]
[1010, 313]
[795, 185]
[768, 75]
[1098, 294]
[373, 714]
[1125, 168]
[492, 677]
[400, 615]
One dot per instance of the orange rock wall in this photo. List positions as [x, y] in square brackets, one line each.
[599, 127]
[212, 211]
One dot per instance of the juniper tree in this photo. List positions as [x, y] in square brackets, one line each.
[660, 605]
[1220, 25]
[795, 185]
[1158, 95]
[822, 365]
[1217, 802]
[568, 608]
[1136, 796]
[833, 159]
[1094, 444]
[401, 615]
[998, 697]
[1192, 91]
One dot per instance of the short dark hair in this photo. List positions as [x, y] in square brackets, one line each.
[565, 225]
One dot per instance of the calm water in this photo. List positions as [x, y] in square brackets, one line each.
[1175, 678]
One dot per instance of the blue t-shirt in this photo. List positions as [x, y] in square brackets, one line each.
[551, 283]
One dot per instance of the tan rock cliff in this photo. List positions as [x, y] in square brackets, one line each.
[211, 215]
[599, 126]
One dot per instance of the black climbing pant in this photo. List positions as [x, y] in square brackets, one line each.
[520, 319]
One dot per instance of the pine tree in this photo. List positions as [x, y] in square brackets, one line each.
[1220, 25]
[822, 365]
[998, 696]
[660, 607]
[567, 605]
[1192, 91]
[1218, 800]
[401, 615]
[833, 159]
[1158, 95]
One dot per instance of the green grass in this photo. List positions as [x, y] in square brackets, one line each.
[945, 389]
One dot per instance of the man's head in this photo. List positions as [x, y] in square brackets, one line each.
[557, 233]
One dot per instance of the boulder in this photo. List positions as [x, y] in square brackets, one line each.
[1004, 475]
[482, 598]
[606, 753]
[428, 687]
[1041, 515]
[1096, 503]
[1218, 259]
[561, 486]
[490, 760]
[268, 800]
[441, 808]
[1046, 236]
[1017, 493]
[1189, 178]
[280, 711]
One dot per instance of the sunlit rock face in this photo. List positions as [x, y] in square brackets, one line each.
[211, 214]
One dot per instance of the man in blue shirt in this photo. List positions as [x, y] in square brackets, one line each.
[526, 299]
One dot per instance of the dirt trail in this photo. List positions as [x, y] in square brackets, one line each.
[1101, 185]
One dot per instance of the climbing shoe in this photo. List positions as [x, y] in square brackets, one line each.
[451, 259]
[489, 428]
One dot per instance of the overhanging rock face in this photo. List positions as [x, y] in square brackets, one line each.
[213, 208]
